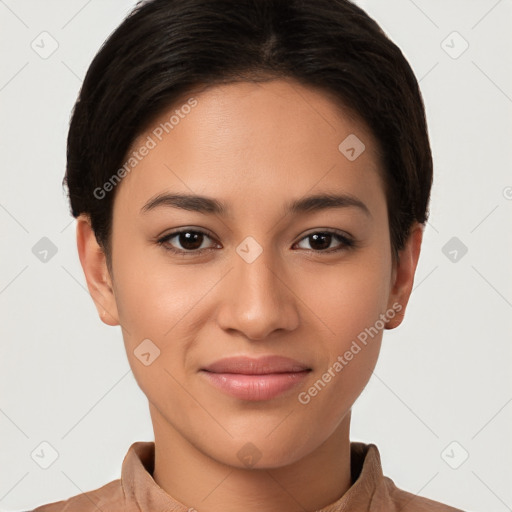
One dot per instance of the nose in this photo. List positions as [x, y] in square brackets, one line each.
[257, 300]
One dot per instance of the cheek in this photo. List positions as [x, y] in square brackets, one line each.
[349, 301]
[153, 305]
[165, 303]
[153, 294]
[349, 306]
[349, 297]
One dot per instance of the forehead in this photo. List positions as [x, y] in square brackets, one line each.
[260, 138]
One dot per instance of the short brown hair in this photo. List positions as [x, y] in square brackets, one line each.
[166, 47]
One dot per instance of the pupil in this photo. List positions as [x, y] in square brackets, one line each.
[189, 240]
[316, 237]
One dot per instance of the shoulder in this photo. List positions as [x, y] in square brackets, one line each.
[110, 495]
[407, 502]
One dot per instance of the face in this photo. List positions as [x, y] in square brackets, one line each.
[241, 273]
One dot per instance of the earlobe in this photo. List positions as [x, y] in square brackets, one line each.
[94, 265]
[404, 276]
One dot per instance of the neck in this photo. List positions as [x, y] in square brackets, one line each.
[197, 480]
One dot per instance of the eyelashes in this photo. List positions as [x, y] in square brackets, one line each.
[195, 238]
[164, 241]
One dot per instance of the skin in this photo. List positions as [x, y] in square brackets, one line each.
[254, 147]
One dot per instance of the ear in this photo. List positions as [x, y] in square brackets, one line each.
[94, 265]
[403, 274]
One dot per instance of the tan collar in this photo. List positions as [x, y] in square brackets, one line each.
[368, 491]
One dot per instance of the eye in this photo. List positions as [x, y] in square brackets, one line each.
[191, 242]
[321, 241]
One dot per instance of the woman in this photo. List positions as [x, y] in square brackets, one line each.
[251, 180]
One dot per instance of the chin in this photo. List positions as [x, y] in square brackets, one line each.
[264, 451]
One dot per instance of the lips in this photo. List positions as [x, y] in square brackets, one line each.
[247, 378]
[260, 366]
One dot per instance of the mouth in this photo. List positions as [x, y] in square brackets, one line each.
[255, 379]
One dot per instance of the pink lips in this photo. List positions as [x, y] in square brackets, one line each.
[255, 379]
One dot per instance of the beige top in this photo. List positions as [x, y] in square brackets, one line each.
[136, 491]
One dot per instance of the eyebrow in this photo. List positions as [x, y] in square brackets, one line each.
[208, 205]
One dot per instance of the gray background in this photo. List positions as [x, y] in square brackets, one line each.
[441, 389]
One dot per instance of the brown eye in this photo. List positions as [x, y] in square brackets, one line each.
[185, 241]
[321, 241]
[190, 240]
